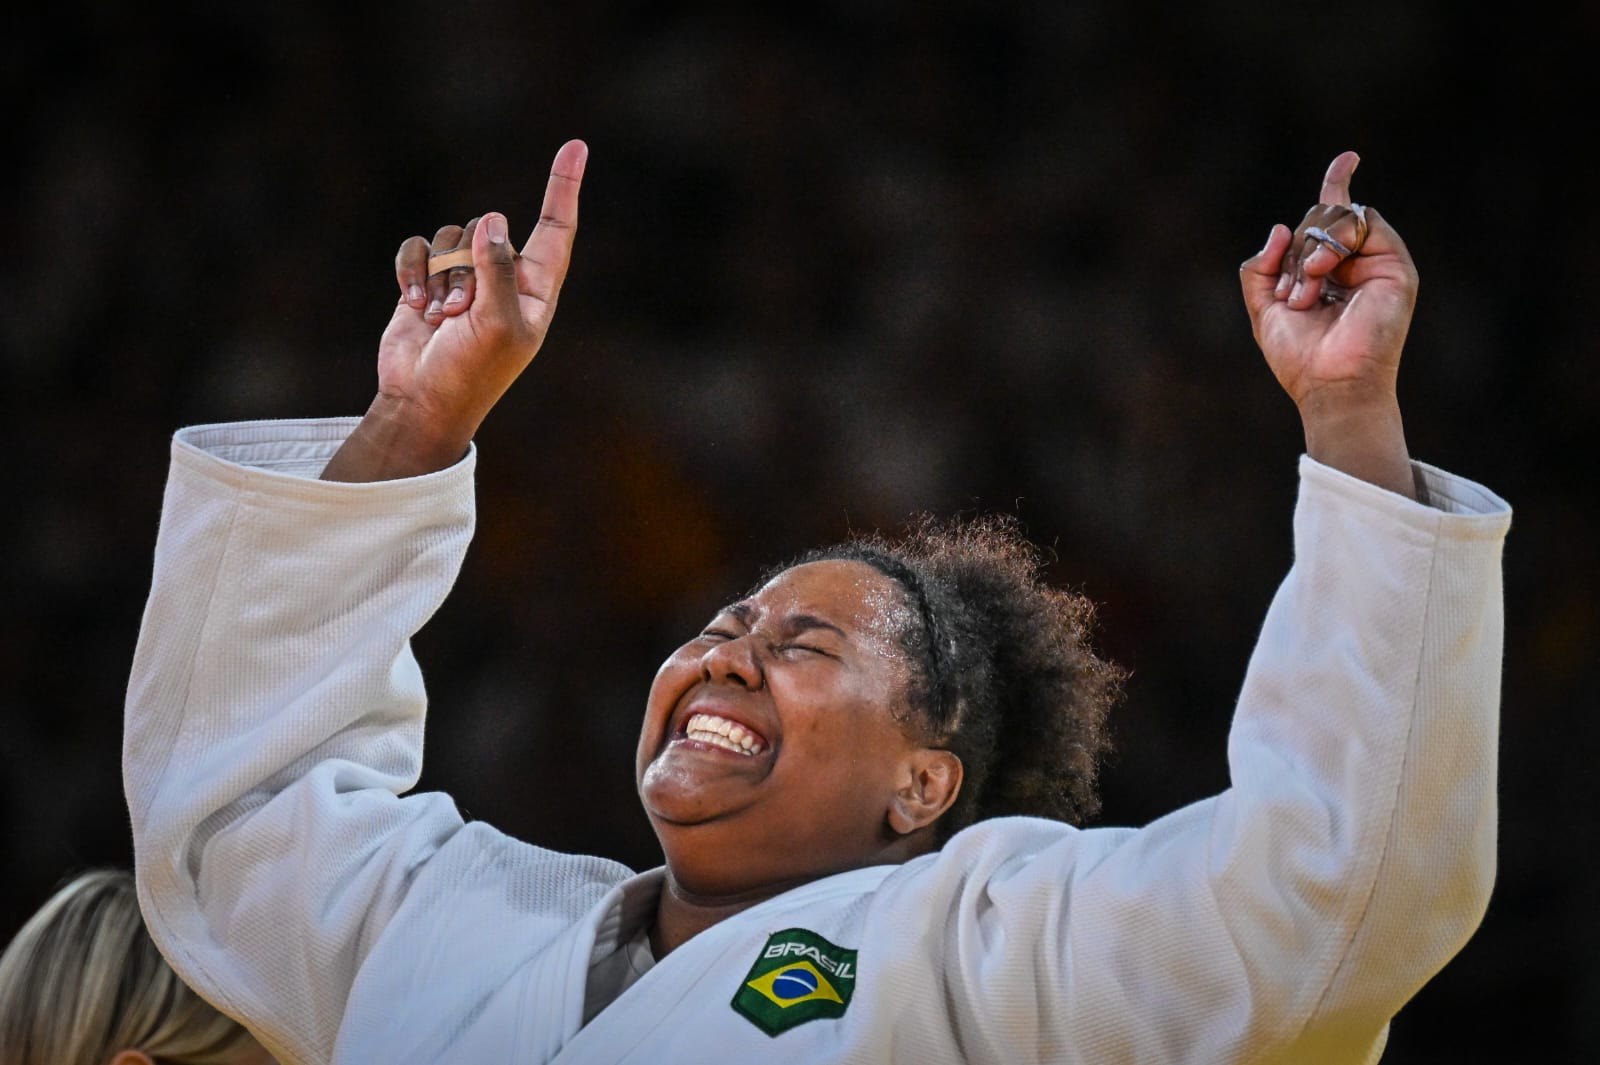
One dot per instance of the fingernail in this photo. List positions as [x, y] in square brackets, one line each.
[434, 308]
[1282, 286]
[456, 296]
[1294, 293]
[415, 294]
[497, 228]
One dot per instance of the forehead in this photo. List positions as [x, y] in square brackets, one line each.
[850, 594]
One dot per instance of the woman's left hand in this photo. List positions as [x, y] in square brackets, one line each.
[1330, 304]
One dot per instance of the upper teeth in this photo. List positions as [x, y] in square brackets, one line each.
[720, 732]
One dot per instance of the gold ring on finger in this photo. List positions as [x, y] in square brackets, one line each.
[1359, 213]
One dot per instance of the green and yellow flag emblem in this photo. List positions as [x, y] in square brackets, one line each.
[798, 977]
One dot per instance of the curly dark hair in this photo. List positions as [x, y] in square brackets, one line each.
[1004, 674]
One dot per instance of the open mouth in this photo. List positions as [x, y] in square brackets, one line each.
[715, 731]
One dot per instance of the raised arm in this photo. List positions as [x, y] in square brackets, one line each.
[274, 721]
[1291, 916]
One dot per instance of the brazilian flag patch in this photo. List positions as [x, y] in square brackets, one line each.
[798, 977]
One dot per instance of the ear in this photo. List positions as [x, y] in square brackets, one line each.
[130, 1057]
[929, 784]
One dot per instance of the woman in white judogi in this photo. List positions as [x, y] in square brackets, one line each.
[865, 776]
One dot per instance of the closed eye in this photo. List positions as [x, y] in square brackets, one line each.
[717, 627]
[806, 647]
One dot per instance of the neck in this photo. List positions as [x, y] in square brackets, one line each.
[683, 914]
[688, 908]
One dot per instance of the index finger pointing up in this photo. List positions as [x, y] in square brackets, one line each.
[550, 245]
[1336, 182]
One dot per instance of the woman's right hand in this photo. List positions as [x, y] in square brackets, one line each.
[459, 339]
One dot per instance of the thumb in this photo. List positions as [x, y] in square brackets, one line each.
[1383, 238]
[494, 263]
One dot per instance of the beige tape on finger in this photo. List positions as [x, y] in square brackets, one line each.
[449, 260]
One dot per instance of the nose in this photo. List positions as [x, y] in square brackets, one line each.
[734, 660]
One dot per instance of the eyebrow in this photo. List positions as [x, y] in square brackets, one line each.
[795, 623]
[804, 622]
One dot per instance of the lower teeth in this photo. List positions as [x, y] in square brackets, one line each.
[718, 741]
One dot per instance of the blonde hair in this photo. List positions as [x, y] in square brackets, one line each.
[83, 980]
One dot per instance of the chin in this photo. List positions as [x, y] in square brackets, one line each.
[673, 803]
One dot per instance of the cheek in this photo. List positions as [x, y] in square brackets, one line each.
[847, 735]
[675, 676]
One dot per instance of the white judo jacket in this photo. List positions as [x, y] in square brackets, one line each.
[274, 730]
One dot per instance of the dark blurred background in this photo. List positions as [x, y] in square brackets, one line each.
[839, 262]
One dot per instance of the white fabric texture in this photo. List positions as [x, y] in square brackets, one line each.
[274, 732]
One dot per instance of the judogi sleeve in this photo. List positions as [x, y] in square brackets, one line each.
[1290, 917]
[274, 719]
